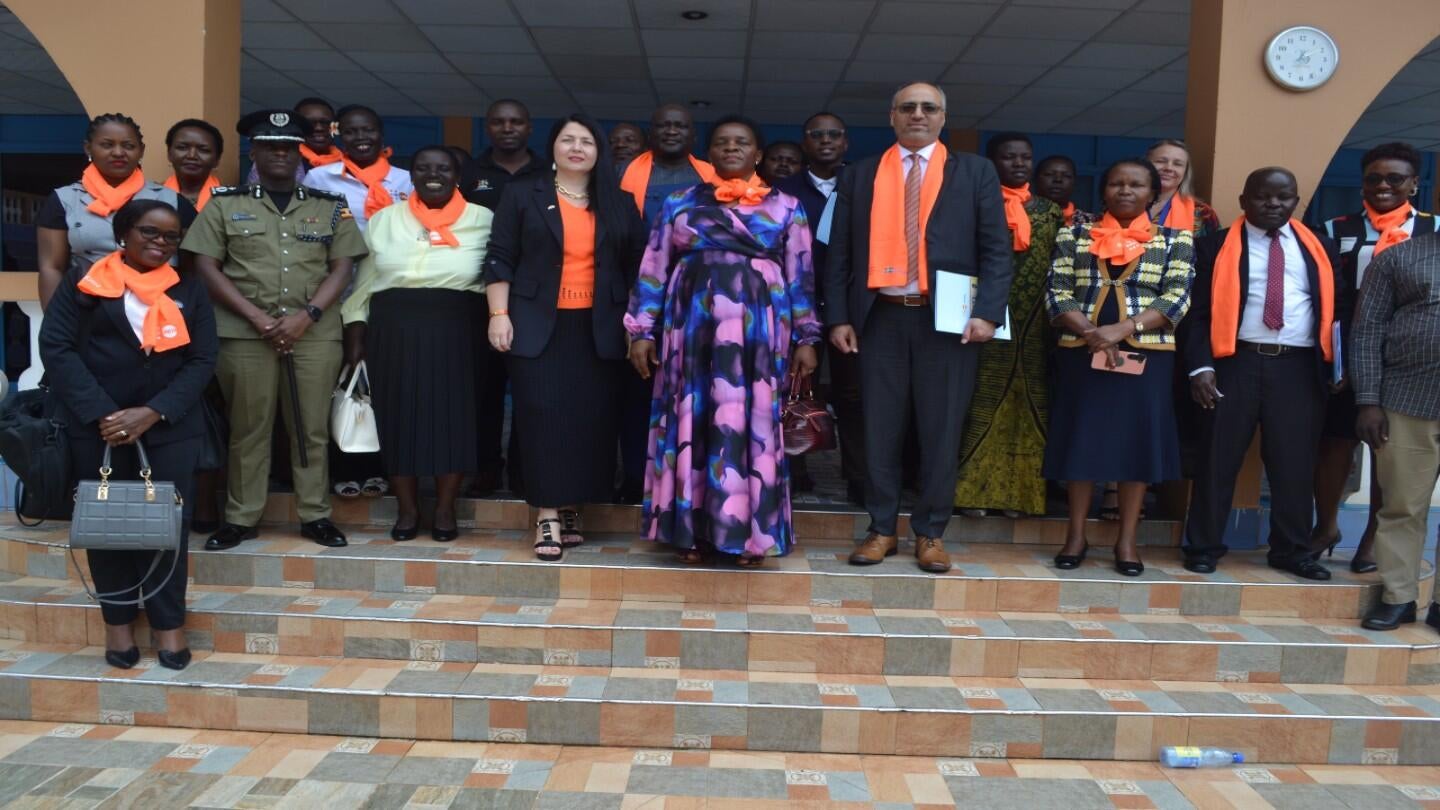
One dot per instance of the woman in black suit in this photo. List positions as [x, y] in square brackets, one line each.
[564, 250]
[129, 345]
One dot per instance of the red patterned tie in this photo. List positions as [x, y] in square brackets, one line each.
[1275, 284]
[912, 219]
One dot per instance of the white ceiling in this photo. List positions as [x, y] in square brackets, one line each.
[1105, 67]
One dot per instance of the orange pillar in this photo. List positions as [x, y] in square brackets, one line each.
[176, 59]
[458, 131]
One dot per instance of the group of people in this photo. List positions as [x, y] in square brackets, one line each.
[649, 310]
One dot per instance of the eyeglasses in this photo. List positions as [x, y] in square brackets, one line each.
[151, 234]
[909, 108]
[822, 134]
[1392, 180]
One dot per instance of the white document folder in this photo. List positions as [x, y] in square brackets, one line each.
[954, 301]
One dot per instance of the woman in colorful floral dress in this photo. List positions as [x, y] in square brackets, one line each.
[722, 314]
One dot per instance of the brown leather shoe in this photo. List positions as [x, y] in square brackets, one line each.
[931, 554]
[875, 549]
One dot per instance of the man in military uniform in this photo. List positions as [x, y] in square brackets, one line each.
[276, 256]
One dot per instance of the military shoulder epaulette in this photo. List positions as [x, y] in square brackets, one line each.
[325, 195]
[227, 191]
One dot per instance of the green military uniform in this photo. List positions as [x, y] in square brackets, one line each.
[277, 260]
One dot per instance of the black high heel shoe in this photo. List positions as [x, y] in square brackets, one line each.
[1359, 566]
[174, 660]
[1069, 562]
[440, 535]
[400, 535]
[1129, 568]
[123, 660]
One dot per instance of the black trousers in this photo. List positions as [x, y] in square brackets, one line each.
[490, 402]
[636, 395]
[845, 396]
[1281, 396]
[123, 570]
[907, 367]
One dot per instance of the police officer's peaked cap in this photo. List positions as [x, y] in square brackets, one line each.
[283, 126]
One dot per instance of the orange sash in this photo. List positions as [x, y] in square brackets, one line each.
[889, 256]
[437, 221]
[749, 191]
[108, 198]
[164, 327]
[1181, 215]
[212, 182]
[1225, 290]
[316, 159]
[1015, 216]
[1069, 213]
[637, 176]
[1110, 242]
[1390, 226]
[372, 176]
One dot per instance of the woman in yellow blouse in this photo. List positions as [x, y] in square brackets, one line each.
[1118, 287]
[413, 315]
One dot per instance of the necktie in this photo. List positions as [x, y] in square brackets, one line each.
[912, 220]
[1275, 284]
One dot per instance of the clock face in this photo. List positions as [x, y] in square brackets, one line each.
[1302, 58]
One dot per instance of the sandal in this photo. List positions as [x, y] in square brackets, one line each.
[547, 548]
[374, 487]
[347, 489]
[570, 532]
[691, 556]
[750, 561]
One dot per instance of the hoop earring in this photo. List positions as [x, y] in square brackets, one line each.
[1415, 191]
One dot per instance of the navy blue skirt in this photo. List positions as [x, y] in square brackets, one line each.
[1106, 426]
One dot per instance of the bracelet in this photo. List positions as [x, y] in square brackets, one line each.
[497, 312]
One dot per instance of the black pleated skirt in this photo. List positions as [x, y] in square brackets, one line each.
[567, 409]
[420, 352]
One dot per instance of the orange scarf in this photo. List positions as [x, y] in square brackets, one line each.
[749, 191]
[1015, 216]
[108, 198]
[1225, 290]
[372, 176]
[437, 221]
[637, 176]
[164, 327]
[1117, 245]
[316, 159]
[889, 256]
[1181, 215]
[212, 182]
[1069, 213]
[1390, 226]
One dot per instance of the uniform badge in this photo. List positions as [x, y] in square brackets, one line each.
[241, 217]
[280, 119]
[484, 185]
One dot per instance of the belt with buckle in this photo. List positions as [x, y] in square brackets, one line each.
[916, 300]
[1269, 349]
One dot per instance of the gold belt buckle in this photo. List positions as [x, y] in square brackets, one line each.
[1269, 350]
[912, 300]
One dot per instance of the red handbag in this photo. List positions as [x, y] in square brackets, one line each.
[805, 422]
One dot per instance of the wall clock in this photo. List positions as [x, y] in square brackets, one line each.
[1301, 58]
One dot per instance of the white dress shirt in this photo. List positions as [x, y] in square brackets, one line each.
[913, 288]
[826, 187]
[333, 177]
[1299, 311]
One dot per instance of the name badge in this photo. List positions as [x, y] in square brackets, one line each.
[241, 217]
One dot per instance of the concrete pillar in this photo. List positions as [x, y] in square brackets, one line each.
[458, 131]
[155, 60]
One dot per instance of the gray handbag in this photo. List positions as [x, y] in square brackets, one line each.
[139, 515]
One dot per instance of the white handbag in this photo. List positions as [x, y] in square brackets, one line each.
[352, 419]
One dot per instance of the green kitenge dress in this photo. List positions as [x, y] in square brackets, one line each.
[1004, 442]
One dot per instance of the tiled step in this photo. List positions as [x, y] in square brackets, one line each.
[987, 578]
[759, 638]
[719, 709]
[812, 521]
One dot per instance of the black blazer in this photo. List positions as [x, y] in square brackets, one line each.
[798, 185]
[966, 233]
[1193, 334]
[527, 247]
[95, 366]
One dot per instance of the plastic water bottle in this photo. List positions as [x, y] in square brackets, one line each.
[1179, 756]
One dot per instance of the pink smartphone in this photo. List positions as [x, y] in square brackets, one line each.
[1130, 363]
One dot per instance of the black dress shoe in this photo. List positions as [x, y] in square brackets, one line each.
[1129, 568]
[1069, 562]
[400, 535]
[123, 660]
[230, 536]
[443, 535]
[1385, 616]
[174, 660]
[323, 532]
[1200, 565]
[1305, 568]
[1433, 617]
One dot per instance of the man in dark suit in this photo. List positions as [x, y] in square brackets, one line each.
[892, 231]
[1257, 346]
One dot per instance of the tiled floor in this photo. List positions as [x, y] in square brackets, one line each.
[48, 765]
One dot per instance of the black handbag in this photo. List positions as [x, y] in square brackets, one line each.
[34, 444]
[215, 444]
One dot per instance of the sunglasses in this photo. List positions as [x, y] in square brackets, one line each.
[909, 108]
[1392, 180]
[822, 134]
[151, 234]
